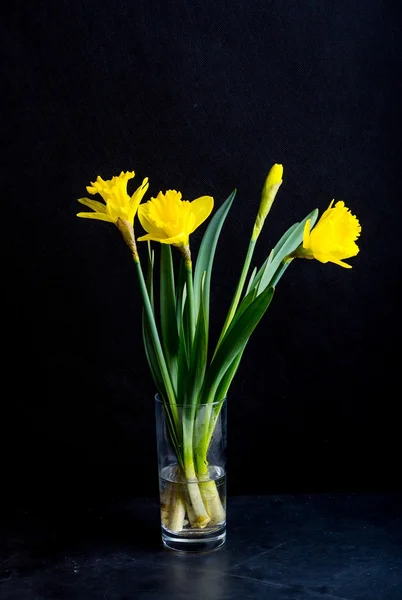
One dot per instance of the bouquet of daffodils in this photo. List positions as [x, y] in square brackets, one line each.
[187, 372]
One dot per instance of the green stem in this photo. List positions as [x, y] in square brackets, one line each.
[230, 315]
[201, 515]
[221, 393]
[238, 292]
[212, 426]
[208, 424]
[190, 299]
[202, 449]
[157, 344]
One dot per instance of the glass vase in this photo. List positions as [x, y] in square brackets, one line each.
[191, 448]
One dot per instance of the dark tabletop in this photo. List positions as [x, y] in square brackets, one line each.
[288, 547]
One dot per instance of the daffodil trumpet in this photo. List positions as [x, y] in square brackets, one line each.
[333, 239]
[192, 376]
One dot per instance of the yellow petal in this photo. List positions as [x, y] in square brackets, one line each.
[200, 208]
[328, 212]
[177, 240]
[96, 215]
[169, 220]
[340, 263]
[97, 186]
[149, 237]
[325, 258]
[94, 204]
[145, 222]
[136, 198]
[118, 203]
[114, 211]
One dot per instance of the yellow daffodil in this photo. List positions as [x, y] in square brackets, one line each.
[333, 238]
[118, 204]
[169, 220]
[119, 208]
[269, 191]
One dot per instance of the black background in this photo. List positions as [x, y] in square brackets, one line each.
[201, 97]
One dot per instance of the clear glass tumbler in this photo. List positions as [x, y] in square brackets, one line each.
[191, 443]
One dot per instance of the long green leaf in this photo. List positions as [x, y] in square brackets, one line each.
[206, 256]
[274, 252]
[199, 354]
[170, 337]
[250, 281]
[182, 366]
[284, 238]
[261, 270]
[181, 317]
[234, 341]
[290, 243]
[187, 325]
[245, 303]
[228, 378]
[221, 394]
[282, 268]
[180, 293]
[152, 359]
[149, 280]
[147, 338]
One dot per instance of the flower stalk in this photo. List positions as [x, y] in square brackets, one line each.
[239, 291]
[157, 344]
[268, 194]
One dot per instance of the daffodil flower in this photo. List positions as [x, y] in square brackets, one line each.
[170, 220]
[118, 208]
[118, 204]
[333, 238]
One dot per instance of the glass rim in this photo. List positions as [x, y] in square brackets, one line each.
[159, 400]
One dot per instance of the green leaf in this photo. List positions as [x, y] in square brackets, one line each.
[146, 334]
[286, 245]
[221, 393]
[187, 325]
[149, 280]
[189, 307]
[181, 317]
[182, 366]
[250, 281]
[244, 304]
[262, 270]
[180, 293]
[206, 256]
[152, 358]
[282, 268]
[227, 379]
[199, 352]
[235, 340]
[284, 238]
[170, 337]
